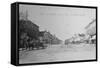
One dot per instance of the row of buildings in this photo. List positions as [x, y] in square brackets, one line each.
[89, 36]
[49, 38]
[28, 31]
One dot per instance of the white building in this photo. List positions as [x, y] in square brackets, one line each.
[91, 30]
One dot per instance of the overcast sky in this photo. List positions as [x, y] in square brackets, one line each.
[61, 21]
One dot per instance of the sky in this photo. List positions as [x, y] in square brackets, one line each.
[63, 22]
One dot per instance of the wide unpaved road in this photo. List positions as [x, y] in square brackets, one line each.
[59, 53]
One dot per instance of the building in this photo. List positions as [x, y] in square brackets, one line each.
[91, 31]
[76, 39]
[91, 28]
[49, 38]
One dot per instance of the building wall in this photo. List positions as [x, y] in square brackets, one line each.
[49, 38]
[91, 28]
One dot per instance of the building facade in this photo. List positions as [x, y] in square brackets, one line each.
[49, 38]
[91, 31]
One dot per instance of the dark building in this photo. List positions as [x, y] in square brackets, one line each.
[49, 38]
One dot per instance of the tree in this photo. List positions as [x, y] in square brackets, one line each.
[28, 27]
